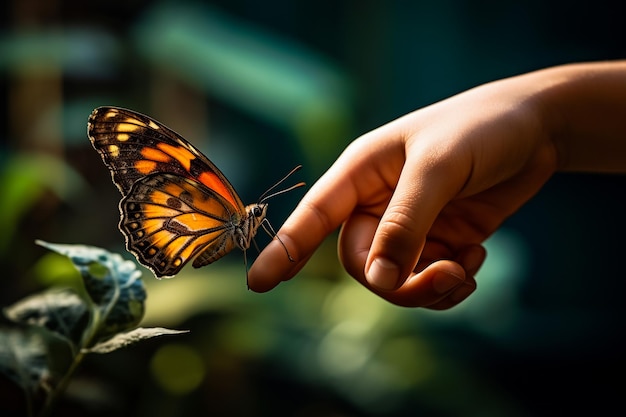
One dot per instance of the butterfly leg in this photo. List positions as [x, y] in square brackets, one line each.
[267, 226]
[245, 263]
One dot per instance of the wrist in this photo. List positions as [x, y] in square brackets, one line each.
[582, 108]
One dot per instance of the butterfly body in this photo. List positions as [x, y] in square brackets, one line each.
[176, 205]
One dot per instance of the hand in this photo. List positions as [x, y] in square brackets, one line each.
[416, 198]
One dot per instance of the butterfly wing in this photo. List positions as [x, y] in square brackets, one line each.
[169, 219]
[133, 146]
[177, 205]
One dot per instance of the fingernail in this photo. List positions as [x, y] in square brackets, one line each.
[462, 292]
[382, 274]
[444, 282]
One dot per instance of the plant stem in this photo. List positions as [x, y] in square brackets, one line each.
[53, 397]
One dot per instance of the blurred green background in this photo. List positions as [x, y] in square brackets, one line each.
[261, 87]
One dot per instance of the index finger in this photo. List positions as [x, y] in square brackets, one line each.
[327, 204]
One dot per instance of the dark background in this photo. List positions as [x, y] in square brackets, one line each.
[261, 87]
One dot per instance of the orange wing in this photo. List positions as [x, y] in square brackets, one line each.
[168, 219]
[133, 145]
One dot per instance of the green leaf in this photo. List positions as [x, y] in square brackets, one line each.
[124, 339]
[113, 284]
[60, 311]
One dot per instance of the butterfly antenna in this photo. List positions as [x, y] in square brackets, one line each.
[265, 223]
[266, 195]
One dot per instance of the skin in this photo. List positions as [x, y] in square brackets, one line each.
[420, 195]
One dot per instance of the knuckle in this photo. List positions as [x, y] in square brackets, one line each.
[398, 235]
[322, 219]
[400, 223]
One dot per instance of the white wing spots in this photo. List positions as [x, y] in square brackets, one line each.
[154, 125]
[186, 146]
[122, 137]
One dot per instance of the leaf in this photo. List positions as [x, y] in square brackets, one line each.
[113, 284]
[62, 312]
[24, 357]
[124, 339]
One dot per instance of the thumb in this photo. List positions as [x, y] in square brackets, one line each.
[422, 191]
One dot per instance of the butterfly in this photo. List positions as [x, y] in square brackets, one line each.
[176, 204]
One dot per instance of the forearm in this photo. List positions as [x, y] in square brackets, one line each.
[583, 109]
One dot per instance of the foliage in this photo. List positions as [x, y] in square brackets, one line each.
[44, 337]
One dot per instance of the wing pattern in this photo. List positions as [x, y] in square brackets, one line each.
[168, 220]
